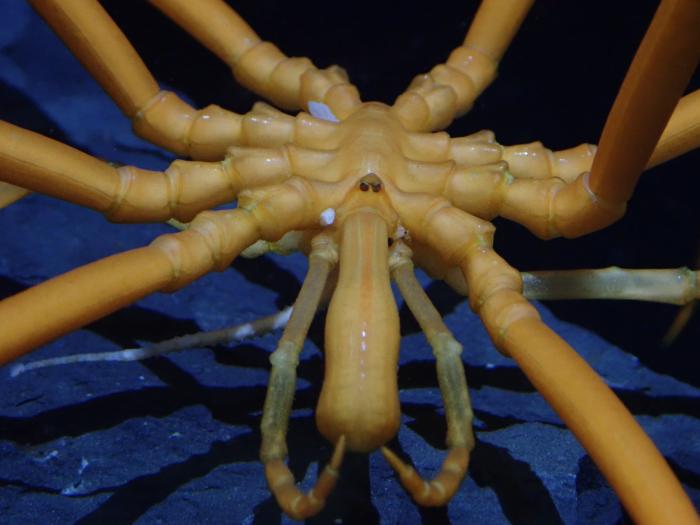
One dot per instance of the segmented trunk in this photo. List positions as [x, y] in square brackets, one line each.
[359, 397]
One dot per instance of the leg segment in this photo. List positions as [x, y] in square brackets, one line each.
[548, 207]
[665, 60]
[671, 286]
[449, 90]
[158, 116]
[10, 193]
[231, 334]
[682, 133]
[453, 385]
[528, 161]
[280, 393]
[290, 83]
[128, 194]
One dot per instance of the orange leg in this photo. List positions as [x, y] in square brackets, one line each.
[10, 193]
[260, 66]
[652, 87]
[130, 194]
[62, 304]
[449, 90]
[682, 133]
[158, 116]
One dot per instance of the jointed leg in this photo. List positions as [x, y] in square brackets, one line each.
[680, 286]
[158, 116]
[280, 393]
[69, 301]
[128, 194]
[449, 90]
[290, 83]
[655, 81]
[682, 133]
[231, 334]
[453, 385]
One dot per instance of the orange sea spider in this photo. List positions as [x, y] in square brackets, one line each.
[353, 186]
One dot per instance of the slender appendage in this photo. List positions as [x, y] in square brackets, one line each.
[683, 316]
[260, 66]
[449, 90]
[679, 323]
[453, 386]
[626, 456]
[530, 161]
[659, 73]
[295, 503]
[682, 133]
[674, 286]
[227, 335]
[128, 193]
[9, 193]
[67, 302]
[280, 393]
[158, 116]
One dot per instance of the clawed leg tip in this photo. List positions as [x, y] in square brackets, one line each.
[291, 500]
[440, 490]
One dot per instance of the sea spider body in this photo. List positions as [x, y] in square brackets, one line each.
[360, 190]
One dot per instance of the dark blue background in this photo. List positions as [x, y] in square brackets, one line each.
[176, 439]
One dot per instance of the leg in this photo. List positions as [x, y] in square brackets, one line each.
[665, 60]
[130, 194]
[528, 161]
[10, 193]
[449, 90]
[682, 133]
[673, 286]
[158, 116]
[67, 302]
[549, 192]
[231, 334]
[453, 385]
[280, 393]
[288, 82]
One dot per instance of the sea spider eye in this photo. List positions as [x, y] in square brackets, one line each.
[371, 180]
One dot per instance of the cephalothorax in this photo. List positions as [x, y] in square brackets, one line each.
[364, 189]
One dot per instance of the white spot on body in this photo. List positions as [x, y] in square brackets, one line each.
[327, 217]
[320, 110]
